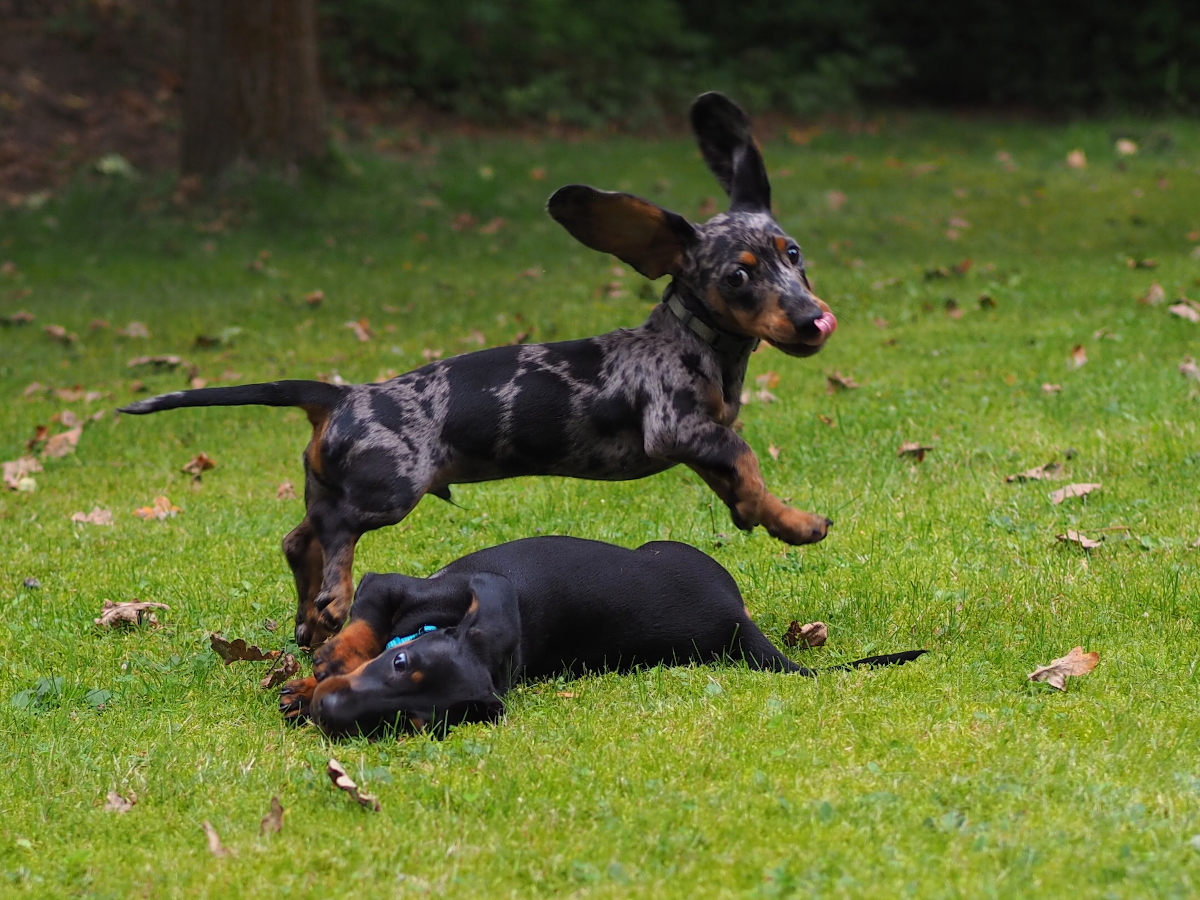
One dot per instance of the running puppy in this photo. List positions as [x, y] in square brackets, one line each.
[443, 650]
[623, 405]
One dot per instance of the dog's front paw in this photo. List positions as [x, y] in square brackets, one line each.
[794, 526]
[295, 698]
[330, 611]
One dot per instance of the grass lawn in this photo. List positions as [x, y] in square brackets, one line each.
[950, 777]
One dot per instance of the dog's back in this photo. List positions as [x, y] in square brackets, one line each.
[589, 605]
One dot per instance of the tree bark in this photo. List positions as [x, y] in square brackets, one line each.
[251, 90]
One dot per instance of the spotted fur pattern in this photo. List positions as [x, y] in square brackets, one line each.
[623, 405]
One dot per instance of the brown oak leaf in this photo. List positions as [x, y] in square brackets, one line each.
[343, 782]
[1189, 369]
[285, 668]
[238, 650]
[62, 444]
[1073, 490]
[1078, 357]
[836, 381]
[97, 516]
[1075, 537]
[1049, 388]
[1048, 472]
[1074, 663]
[131, 612]
[114, 802]
[134, 330]
[215, 846]
[361, 329]
[1186, 309]
[814, 634]
[19, 469]
[915, 450]
[162, 509]
[199, 464]
[161, 361]
[285, 491]
[272, 822]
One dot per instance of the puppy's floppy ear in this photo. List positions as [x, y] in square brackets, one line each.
[651, 239]
[722, 130]
[492, 626]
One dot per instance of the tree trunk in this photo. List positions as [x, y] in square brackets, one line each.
[251, 90]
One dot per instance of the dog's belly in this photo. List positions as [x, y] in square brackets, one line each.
[598, 461]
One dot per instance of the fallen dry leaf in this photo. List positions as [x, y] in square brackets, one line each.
[1154, 294]
[285, 668]
[33, 388]
[60, 334]
[162, 509]
[566, 695]
[814, 634]
[913, 449]
[314, 298]
[836, 381]
[493, 226]
[1073, 490]
[97, 516]
[361, 329]
[1049, 388]
[773, 451]
[1048, 472]
[826, 420]
[1189, 369]
[68, 418]
[239, 651]
[342, 782]
[132, 612]
[1074, 537]
[62, 444]
[768, 380]
[272, 822]
[1141, 263]
[134, 330]
[463, 221]
[1126, 147]
[285, 491]
[429, 354]
[1074, 663]
[162, 361]
[214, 840]
[835, 200]
[1076, 159]
[114, 802]
[18, 469]
[1078, 356]
[476, 337]
[198, 464]
[1186, 309]
[20, 317]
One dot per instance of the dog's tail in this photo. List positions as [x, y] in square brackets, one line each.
[760, 653]
[315, 397]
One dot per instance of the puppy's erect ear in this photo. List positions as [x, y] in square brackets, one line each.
[651, 239]
[722, 130]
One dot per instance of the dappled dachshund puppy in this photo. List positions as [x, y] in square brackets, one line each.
[622, 405]
[443, 650]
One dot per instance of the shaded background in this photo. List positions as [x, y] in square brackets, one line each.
[83, 78]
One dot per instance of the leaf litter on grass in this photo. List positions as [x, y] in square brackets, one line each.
[128, 612]
[1074, 664]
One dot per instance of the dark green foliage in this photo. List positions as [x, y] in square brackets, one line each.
[604, 59]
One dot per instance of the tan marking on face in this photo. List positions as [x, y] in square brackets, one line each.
[770, 322]
[781, 244]
[416, 677]
[746, 258]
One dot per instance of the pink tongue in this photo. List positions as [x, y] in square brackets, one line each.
[827, 324]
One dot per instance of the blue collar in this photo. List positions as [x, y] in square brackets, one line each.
[397, 641]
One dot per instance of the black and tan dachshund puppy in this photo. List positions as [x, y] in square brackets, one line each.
[619, 406]
[443, 650]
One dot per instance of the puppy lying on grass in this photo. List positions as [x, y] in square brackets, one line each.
[435, 652]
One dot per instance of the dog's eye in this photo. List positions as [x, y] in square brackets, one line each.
[737, 278]
[793, 253]
[401, 661]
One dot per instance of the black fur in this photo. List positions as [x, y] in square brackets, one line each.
[530, 609]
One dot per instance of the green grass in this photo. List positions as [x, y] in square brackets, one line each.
[952, 777]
